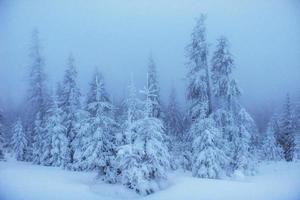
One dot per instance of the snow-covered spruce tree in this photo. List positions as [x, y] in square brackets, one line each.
[209, 158]
[225, 89]
[133, 111]
[297, 130]
[127, 161]
[100, 148]
[173, 121]
[243, 157]
[38, 133]
[286, 137]
[153, 83]
[185, 157]
[198, 86]
[69, 102]
[37, 92]
[46, 138]
[174, 118]
[55, 148]
[144, 160]
[236, 124]
[198, 89]
[80, 141]
[271, 151]
[2, 140]
[19, 141]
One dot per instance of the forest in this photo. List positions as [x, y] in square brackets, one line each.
[136, 141]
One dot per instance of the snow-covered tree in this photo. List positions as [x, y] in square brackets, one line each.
[127, 162]
[225, 88]
[270, 149]
[19, 141]
[80, 141]
[173, 118]
[69, 102]
[143, 161]
[198, 89]
[243, 155]
[55, 149]
[297, 130]
[209, 159]
[2, 140]
[37, 93]
[238, 128]
[286, 138]
[48, 131]
[133, 111]
[174, 126]
[37, 146]
[152, 82]
[242, 160]
[133, 104]
[100, 145]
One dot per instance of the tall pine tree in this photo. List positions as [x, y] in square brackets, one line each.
[207, 156]
[55, 151]
[198, 91]
[225, 88]
[286, 138]
[69, 102]
[100, 146]
[236, 124]
[37, 93]
[174, 126]
[152, 82]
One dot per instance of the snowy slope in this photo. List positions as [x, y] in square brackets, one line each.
[23, 181]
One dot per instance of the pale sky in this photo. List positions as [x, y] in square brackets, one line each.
[119, 35]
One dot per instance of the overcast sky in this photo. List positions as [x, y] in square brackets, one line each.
[119, 35]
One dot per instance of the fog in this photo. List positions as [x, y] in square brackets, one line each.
[118, 37]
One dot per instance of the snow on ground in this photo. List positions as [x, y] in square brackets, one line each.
[23, 181]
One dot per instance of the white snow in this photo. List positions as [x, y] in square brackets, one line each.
[24, 181]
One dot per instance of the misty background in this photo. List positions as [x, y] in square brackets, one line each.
[118, 37]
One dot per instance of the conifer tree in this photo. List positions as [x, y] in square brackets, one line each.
[174, 129]
[174, 123]
[238, 127]
[126, 158]
[19, 141]
[224, 86]
[38, 131]
[271, 150]
[100, 146]
[144, 160]
[2, 140]
[56, 138]
[297, 130]
[209, 159]
[37, 92]
[198, 89]
[286, 138]
[80, 141]
[69, 102]
[133, 111]
[243, 156]
[152, 82]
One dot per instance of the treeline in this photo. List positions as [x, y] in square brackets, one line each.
[137, 142]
